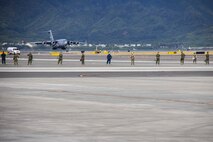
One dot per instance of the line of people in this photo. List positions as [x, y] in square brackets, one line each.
[60, 58]
[15, 58]
[109, 58]
[182, 58]
[194, 58]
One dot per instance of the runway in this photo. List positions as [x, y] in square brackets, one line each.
[72, 60]
[120, 109]
[45, 65]
[47, 102]
[17, 72]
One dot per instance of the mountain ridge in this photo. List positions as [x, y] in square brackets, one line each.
[109, 21]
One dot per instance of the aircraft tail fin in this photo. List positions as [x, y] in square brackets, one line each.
[51, 35]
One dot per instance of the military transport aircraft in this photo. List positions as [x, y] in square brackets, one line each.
[57, 44]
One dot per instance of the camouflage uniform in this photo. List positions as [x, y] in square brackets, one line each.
[60, 58]
[194, 58]
[207, 58]
[182, 58]
[15, 59]
[82, 59]
[30, 58]
[157, 58]
[132, 57]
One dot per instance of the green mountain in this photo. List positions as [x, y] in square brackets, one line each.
[108, 21]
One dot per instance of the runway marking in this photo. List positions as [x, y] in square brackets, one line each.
[103, 69]
[104, 61]
[77, 60]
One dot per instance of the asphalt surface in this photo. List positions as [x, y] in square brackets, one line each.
[47, 102]
[73, 60]
[45, 65]
[123, 109]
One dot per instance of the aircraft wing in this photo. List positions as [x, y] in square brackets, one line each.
[33, 44]
[38, 43]
[72, 42]
[43, 42]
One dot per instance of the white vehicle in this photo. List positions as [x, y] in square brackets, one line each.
[12, 50]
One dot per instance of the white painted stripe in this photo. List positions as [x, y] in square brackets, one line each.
[109, 67]
[97, 71]
[102, 69]
[76, 60]
[104, 61]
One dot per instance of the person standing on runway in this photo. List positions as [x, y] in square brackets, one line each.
[157, 58]
[132, 58]
[15, 59]
[194, 58]
[207, 58]
[82, 59]
[182, 57]
[60, 58]
[30, 58]
[109, 58]
[3, 58]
